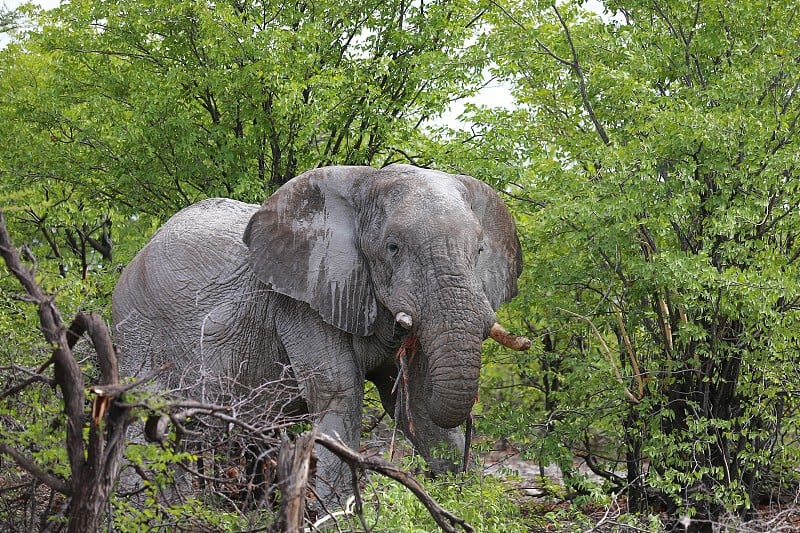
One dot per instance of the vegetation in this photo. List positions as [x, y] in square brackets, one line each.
[650, 159]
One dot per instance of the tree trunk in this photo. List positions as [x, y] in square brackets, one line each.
[293, 471]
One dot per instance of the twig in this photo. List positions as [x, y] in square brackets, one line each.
[35, 378]
[115, 390]
[444, 518]
[603, 343]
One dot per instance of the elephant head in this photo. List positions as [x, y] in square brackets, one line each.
[436, 250]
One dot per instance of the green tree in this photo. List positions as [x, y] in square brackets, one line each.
[113, 110]
[114, 115]
[177, 101]
[657, 175]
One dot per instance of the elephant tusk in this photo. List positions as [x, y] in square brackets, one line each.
[509, 340]
[404, 320]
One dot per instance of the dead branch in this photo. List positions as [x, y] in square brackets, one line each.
[444, 518]
[94, 462]
[294, 461]
[113, 389]
[101, 340]
[67, 372]
[631, 352]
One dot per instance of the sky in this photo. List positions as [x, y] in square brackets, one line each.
[47, 4]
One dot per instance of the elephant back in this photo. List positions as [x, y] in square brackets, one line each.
[166, 297]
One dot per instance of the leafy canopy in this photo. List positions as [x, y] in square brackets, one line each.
[657, 178]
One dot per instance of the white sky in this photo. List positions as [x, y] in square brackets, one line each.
[47, 4]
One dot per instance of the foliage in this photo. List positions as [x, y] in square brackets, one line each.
[482, 501]
[657, 189]
[119, 113]
[123, 112]
[650, 161]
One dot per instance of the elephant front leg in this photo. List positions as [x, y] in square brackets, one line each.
[332, 386]
[340, 418]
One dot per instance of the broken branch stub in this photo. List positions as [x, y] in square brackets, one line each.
[509, 340]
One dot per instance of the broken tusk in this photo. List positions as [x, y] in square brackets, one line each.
[509, 340]
[404, 320]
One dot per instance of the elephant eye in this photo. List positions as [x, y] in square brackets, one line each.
[393, 248]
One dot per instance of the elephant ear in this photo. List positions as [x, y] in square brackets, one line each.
[303, 244]
[500, 262]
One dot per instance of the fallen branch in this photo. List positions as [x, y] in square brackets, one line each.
[444, 518]
[509, 340]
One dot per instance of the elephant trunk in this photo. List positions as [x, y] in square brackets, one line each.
[452, 342]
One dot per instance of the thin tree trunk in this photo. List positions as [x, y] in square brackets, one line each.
[293, 471]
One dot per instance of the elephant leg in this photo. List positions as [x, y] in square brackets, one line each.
[334, 483]
[333, 388]
[384, 378]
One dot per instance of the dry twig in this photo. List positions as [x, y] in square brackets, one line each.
[444, 518]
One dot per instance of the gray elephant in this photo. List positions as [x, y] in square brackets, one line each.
[319, 287]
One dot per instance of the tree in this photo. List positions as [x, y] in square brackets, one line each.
[117, 114]
[93, 461]
[660, 186]
[124, 112]
[169, 102]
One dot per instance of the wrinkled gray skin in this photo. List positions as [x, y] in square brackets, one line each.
[312, 280]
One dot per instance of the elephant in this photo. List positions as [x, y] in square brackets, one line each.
[318, 288]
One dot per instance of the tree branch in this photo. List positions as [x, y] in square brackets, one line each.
[576, 67]
[444, 518]
[27, 464]
[67, 372]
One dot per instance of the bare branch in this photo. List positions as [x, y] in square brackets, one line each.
[101, 340]
[27, 464]
[444, 518]
[67, 372]
[33, 377]
[115, 390]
